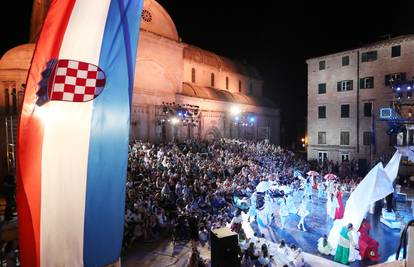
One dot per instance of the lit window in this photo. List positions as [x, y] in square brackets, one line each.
[394, 78]
[346, 85]
[321, 138]
[367, 82]
[344, 140]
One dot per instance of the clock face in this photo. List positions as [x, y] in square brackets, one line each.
[146, 15]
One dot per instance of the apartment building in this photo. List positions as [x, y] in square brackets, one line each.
[346, 90]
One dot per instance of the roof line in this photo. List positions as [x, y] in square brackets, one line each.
[372, 44]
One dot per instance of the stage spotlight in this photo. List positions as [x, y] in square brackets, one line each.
[235, 110]
[175, 120]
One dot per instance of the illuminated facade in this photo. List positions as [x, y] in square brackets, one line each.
[346, 91]
[168, 70]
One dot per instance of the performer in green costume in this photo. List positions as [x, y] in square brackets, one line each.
[344, 243]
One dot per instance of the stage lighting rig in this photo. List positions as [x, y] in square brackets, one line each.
[245, 119]
[400, 113]
[179, 114]
[402, 89]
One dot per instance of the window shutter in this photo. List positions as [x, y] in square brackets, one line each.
[338, 86]
[374, 55]
[387, 79]
[361, 83]
[364, 57]
[351, 87]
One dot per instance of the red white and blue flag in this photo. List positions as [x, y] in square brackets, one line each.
[73, 134]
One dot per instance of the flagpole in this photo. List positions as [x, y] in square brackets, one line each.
[372, 145]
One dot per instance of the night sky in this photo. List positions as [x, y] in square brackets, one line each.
[275, 38]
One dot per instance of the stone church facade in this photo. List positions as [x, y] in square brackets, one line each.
[167, 71]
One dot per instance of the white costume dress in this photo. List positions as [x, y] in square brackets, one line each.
[284, 213]
[291, 205]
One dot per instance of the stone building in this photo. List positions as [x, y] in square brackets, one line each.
[346, 91]
[167, 70]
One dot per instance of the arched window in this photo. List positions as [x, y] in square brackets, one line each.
[14, 101]
[212, 79]
[239, 86]
[20, 95]
[193, 77]
[6, 101]
[227, 83]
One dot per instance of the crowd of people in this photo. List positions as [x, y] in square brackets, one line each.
[184, 190]
[190, 186]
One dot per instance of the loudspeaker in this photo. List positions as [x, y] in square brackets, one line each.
[224, 248]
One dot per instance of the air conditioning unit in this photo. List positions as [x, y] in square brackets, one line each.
[386, 113]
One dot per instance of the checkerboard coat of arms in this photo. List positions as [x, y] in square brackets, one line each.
[72, 81]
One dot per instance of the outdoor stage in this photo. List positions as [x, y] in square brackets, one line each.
[318, 223]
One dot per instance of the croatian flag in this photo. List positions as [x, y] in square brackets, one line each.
[73, 134]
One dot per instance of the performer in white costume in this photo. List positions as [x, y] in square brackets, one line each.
[331, 205]
[252, 209]
[291, 204]
[321, 190]
[302, 212]
[283, 212]
[308, 189]
[353, 252]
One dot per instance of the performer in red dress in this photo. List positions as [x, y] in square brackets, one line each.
[339, 212]
[368, 247]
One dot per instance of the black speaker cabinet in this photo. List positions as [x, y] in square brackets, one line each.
[224, 248]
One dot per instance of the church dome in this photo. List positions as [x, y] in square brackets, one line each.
[156, 19]
[18, 57]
